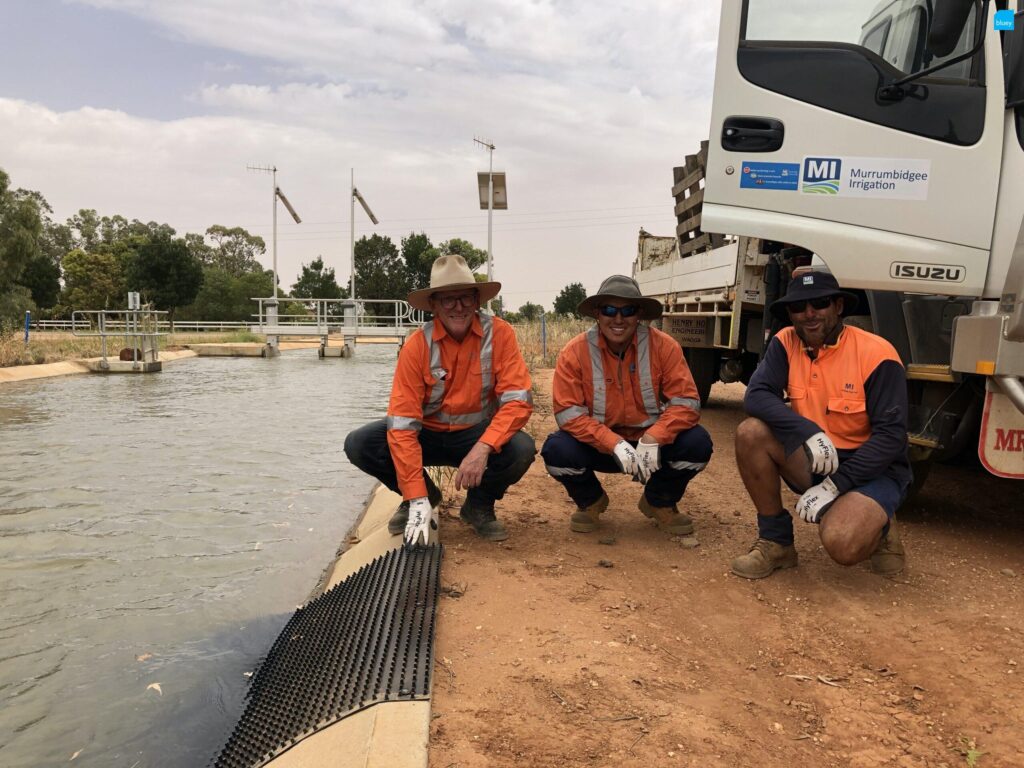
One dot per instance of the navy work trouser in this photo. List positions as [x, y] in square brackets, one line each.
[573, 464]
[367, 448]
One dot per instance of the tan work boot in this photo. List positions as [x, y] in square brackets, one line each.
[889, 557]
[585, 519]
[763, 558]
[669, 519]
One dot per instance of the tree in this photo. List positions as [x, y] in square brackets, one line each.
[380, 273]
[418, 254]
[315, 282]
[235, 250]
[198, 247]
[570, 297]
[165, 273]
[90, 232]
[41, 277]
[530, 311]
[474, 256]
[92, 281]
[20, 229]
[225, 297]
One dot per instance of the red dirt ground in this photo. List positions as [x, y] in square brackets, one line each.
[661, 657]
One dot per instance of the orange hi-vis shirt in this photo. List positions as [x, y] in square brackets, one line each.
[648, 390]
[829, 389]
[444, 385]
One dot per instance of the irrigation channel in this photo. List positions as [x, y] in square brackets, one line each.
[156, 532]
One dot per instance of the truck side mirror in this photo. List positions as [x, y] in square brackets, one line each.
[1013, 62]
[948, 20]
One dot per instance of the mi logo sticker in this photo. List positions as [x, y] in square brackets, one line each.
[822, 174]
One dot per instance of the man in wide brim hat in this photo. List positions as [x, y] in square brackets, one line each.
[460, 397]
[840, 441]
[625, 402]
[451, 273]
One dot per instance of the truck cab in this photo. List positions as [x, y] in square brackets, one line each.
[887, 138]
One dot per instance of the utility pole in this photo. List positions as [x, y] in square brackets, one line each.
[277, 193]
[493, 196]
[352, 220]
[490, 203]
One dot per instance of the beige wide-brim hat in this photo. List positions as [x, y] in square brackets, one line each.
[450, 273]
[621, 287]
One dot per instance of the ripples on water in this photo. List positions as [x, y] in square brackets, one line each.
[160, 529]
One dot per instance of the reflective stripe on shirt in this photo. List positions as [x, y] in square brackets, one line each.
[404, 422]
[650, 400]
[435, 399]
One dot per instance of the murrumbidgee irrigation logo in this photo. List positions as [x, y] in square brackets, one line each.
[822, 175]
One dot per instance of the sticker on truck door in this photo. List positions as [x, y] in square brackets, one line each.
[877, 177]
[774, 176]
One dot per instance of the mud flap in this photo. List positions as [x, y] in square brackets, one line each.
[1001, 444]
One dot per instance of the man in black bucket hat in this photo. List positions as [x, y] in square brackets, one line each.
[624, 401]
[841, 442]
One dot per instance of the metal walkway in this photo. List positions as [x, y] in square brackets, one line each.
[361, 318]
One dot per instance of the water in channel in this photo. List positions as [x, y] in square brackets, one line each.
[156, 532]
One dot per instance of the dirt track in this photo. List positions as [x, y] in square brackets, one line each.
[546, 658]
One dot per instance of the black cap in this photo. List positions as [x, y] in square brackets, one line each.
[812, 285]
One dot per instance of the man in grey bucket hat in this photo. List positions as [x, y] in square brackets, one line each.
[624, 401]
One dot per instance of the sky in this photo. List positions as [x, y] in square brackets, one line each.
[154, 110]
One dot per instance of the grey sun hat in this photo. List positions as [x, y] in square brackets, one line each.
[621, 287]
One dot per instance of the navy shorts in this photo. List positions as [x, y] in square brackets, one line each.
[884, 491]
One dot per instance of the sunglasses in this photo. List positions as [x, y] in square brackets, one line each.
[467, 300]
[796, 307]
[627, 311]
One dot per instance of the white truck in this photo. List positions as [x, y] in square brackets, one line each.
[886, 141]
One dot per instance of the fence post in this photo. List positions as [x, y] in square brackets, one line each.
[543, 336]
[28, 322]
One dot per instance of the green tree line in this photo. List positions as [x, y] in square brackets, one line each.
[91, 262]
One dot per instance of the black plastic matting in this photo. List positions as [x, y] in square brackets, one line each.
[367, 640]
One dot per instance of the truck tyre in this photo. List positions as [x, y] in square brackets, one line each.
[704, 369]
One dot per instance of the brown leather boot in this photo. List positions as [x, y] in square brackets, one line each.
[889, 558]
[763, 559]
[585, 519]
[669, 519]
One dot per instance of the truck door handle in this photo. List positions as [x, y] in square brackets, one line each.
[752, 134]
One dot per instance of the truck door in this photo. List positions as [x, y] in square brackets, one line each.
[895, 188]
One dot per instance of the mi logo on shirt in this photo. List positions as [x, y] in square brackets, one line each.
[822, 174]
[849, 387]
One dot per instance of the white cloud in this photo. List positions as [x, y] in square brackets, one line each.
[590, 107]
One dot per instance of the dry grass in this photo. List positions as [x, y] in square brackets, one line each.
[559, 331]
[55, 346]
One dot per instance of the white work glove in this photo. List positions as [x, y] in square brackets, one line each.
[626, 455]
[816, 500]
[648, 458]
[422, 520]
[822, 454]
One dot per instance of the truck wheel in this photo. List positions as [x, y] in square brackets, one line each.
[704, 369]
